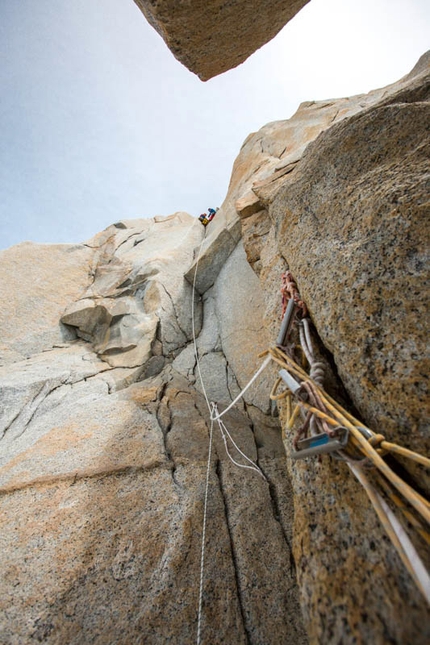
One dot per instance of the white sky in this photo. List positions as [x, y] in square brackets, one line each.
[99, 122]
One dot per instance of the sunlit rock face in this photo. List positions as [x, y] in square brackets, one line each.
[104, 442]
[339, 195]
[104, 423]
[138, 291]
[343, 191]
[213, 36]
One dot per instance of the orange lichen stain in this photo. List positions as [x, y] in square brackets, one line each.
[56, 440]
[143, 395]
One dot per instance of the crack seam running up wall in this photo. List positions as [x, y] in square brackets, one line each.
[187, 339]
[218, 473]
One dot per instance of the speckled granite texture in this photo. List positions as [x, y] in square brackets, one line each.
[212, 36]
[350, 218]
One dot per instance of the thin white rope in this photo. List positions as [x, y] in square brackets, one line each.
[240, 395]
[225, 433]
[407, 549]
[421, 573]
[213, 413]
[202, 557]
[193, 326]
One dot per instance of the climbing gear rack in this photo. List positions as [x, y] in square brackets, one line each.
[328, 428]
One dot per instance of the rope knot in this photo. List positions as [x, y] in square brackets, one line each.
[376, 440]
[213, 411]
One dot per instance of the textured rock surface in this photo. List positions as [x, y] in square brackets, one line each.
[103, 448]
[210, 37]
[41, 281]
[371, 241]
[104, 427]
[347, 212]
[137, 294]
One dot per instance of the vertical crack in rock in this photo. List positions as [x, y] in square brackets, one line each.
[175, 314]
[218, 471]
[227, 377]
[165, 429]
[23, 418]
[277, 515]
[274, 500]
[252, 428]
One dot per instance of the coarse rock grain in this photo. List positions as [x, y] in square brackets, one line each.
[210, 37]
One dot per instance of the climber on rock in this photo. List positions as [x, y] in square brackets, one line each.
[206, 218]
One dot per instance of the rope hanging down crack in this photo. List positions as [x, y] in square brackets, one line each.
[214, 415]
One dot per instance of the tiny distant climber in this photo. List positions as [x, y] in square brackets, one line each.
[206, 218]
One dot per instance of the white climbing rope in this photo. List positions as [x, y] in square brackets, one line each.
[240, 395]
[225, 433]
[403, 544]
[205, 505]
[202, 557]
[215, 416]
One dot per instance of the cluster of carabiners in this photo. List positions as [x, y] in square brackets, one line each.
[324, 438]
[328, 428]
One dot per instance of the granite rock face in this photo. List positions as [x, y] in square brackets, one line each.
[41, 282]
[371, 241]
[104, 442]
[104, 423]
[341, 199]
[130, 304]
[214, 36]
[348, 214]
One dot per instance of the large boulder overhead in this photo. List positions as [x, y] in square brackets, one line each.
[212, 36]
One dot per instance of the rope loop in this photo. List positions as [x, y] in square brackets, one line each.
[215, 415]
[376, 440]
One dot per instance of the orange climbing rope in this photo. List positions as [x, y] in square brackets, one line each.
[327, 427]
